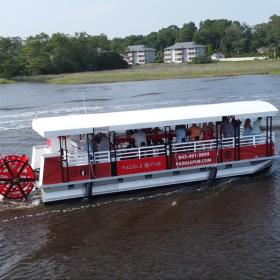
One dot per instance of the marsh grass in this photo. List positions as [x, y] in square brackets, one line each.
[5, 81]
[162, 71]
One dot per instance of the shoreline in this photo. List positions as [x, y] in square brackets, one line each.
[160, 72]
[6, 81]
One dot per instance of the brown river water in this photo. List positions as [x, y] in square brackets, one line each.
[230, 230]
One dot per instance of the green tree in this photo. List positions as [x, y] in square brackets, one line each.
[63, 53]
[233, 41]
[134, 40]
[211, 33]
[273, 35]
[160, 56]
[11, 63]
[36, 55]
[151, 40]
[186, 33]
[167, 36]
[259, 36]
[118, 45]
[111, 60]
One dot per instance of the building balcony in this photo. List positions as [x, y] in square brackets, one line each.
[167, 61]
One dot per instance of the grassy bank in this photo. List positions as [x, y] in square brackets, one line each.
[162, 71]
[5, 81]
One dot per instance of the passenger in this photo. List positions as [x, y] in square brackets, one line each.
[102, 142]
[181, 133]
[212, 126]
[140, 138]
[156, 130]
[227, 127]
[156, 136]
[130, 138]
[247, 127]
[194, 132]
[207, 132]
[256, 130]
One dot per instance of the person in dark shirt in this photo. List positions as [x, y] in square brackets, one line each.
[227, 127]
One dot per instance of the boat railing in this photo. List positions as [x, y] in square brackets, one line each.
[252, 140]
[141, 152]
[102, 156]
[190, 147]
[227, 142]
[159, 150]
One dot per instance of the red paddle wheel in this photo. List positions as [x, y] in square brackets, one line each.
[17, 178]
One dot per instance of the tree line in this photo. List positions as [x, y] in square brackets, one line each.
[61, 53]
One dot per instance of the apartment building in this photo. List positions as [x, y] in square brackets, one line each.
[140, 54]
[183, 52]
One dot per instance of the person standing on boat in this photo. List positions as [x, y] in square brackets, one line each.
[247, 128]
[140, 138]
[256, 129]
[194, 132]
[102, 142]
[227, 127]
[181, 133]
[207, 132]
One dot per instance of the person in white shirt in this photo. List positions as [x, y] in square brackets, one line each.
[181, 133]
[140, 138]
[256, 130]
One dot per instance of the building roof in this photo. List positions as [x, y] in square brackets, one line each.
[218, 54]
[184, 45]
[121, 121]
[139, 48]
[263, 49]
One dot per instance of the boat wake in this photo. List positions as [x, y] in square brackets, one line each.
[35, 202]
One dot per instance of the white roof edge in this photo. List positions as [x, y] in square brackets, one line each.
[120, 121]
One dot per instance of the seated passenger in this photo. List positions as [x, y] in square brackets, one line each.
[256, 129]
[194, 132]
[155, 136]
[247, 127]
[227, 127]
[181, 133]
[140, 138]
[207, 132]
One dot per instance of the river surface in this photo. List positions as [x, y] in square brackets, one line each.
[231, 231]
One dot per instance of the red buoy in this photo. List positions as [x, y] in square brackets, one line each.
[17, 178]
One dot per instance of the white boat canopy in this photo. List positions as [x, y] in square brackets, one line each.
[50, 127]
